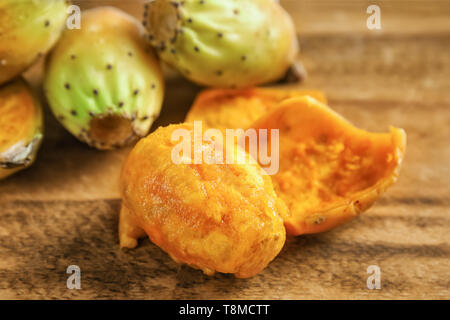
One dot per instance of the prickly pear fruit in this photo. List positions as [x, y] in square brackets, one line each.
[223, 43]
[213, 217]
[103, 81]
[28, 29]
[21, 126]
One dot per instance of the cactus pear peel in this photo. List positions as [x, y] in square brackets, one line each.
[21, 126]
[239, 108]
[330, 171]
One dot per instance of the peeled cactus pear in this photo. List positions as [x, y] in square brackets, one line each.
[223, 43]
[21, 126]
[28, 29]
[103, 81]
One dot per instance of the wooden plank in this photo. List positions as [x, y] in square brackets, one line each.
[40, 239]
[398, 17]
[404, 68]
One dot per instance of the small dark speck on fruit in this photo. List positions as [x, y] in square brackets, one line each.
[196, 49]
[47, 23]
[190, 20]
[95, 91]
[67, 86]
[136, 92]
[109, 67]
[74, 112]
[120, 104]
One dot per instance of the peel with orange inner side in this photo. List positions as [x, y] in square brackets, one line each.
[239, 108]
[329, 170]
[21, 126]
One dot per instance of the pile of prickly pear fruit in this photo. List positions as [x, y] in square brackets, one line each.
[28, 29]
[104, 82]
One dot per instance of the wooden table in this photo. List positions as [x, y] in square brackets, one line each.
[64, 209]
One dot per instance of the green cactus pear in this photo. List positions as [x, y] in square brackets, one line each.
[103, 81]
[21, 125]
[28, 29]
[223, 43]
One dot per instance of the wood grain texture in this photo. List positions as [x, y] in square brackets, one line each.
[64, 209]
